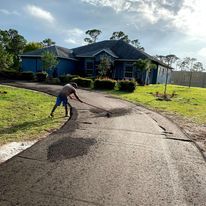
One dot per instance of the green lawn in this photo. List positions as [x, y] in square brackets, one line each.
[188, 102]
[24, 114]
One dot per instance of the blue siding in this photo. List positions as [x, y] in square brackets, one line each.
[65, 66]
[118, 70]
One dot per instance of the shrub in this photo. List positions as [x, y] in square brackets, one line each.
[10, 74]
[82, 82]
[26, 75]
[67, 78]
[41, 76]
[104, 84]
[126, 85]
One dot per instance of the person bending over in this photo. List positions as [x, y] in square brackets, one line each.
[66, 91]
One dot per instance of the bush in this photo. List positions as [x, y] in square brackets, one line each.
[27, 75]
[126, 85]
[104, 84]
[67, 78]
[10, 74]
[41, 76]
[82, 82]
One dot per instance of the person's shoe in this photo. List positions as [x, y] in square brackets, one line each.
[51, 115]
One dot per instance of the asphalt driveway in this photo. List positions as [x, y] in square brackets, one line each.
[134, 157]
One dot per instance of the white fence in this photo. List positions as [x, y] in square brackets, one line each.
[183, 78]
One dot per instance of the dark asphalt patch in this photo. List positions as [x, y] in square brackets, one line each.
[117, 112]
[69, 148]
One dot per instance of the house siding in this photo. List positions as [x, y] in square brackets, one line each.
[162, 74]
[64, 66]
[31, 64]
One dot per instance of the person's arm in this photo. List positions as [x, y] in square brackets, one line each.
[77, 97]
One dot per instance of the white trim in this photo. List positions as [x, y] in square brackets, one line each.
[125, 65]
[98, 53]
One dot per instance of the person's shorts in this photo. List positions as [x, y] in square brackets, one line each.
[61, 99]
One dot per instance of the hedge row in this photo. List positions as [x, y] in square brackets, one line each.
[10, 74]
[126, 85]
[104, 84]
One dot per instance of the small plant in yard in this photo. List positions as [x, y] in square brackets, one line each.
[104, 84]
[104, 67]
[49, 61]
[41, 76]
[128, 86]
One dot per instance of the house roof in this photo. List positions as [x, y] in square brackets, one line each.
[119, 49]
[56, 50]
[95, 52]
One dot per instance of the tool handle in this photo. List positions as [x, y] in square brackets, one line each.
[97, 107]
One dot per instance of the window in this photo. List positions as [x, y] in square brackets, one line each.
[128, 71]
[89, 68]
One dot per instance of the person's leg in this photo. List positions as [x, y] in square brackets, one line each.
[58, 103]
[65, 102]
[70, 106]
[55, 106]
[66, 111]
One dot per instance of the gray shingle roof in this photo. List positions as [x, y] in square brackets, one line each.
[95, 52]
[56, 50]
[117, 48]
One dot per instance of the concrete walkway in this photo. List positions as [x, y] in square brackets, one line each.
[135, 157]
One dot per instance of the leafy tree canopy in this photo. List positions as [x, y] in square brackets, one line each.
[6, 59]
[48, 42]
[104, 66]
[120, 35]
[30, 46]
[49, 60]
[93, 34]
[13, 43]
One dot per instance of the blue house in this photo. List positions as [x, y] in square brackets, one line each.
[84, 61]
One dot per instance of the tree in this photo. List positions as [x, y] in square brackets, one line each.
[189, 66]
[168, 60]
[31, 46]
[198, 67]
[49, 61]
[6, 59]
[145, 65]
[12, 43]
[48, 42]
[104, 66]
[93, 33]
[120, 35]
[136, 44]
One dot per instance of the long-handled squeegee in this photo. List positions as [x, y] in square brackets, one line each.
[108, 113]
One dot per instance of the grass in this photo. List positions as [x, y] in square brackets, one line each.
[24, 114]
[188, 102]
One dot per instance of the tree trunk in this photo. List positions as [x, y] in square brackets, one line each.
[190, 81]
[165, 90]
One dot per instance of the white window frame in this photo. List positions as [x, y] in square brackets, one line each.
[91, 70]
[132, 72]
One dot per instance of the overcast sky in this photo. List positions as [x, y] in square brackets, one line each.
[162, 26]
